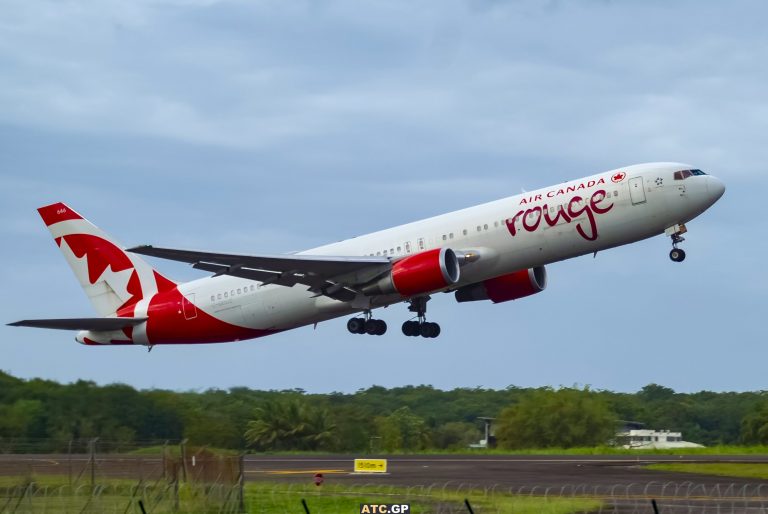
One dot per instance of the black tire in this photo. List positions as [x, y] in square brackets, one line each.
[381, 327]
[429, 330]
[677, 255]
[371, 327]
[410, 328]
[356, 325]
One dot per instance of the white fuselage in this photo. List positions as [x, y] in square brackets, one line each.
[640, 201]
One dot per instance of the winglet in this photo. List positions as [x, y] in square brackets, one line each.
[57, 212]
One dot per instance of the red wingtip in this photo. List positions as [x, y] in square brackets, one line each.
[57, 212]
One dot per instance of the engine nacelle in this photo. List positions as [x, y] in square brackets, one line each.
[418, 274]
[506, 287]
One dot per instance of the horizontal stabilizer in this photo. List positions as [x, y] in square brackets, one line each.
[95, 324]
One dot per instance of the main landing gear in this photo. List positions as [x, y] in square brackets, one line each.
[676, 233]
[422, 327]
[367, 325]
[414, 328]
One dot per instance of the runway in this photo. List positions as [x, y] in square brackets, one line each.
[508, 471]
[524, 471]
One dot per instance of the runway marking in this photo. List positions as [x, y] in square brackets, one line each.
[299, 471]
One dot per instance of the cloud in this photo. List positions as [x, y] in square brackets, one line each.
[501, 78]
[276, 126]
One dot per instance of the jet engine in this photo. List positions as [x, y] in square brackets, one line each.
[505, 287]
[422, 273]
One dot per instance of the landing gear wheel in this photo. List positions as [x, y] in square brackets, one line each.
[421, 327]
[375, 327]
[676, 233]
[411, 328]
[677, 255]
[430, 330]
[356, 325]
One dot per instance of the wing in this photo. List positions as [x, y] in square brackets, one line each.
[336, 277]
[97, 324]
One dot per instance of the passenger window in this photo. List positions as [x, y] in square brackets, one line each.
[213, 298]
[485, 227]
[496, 224]
[464, 232]
[385, 252]
[615, 194]
[408, 247]
[450, 235]
[391, 251]
[239, 291]
[219, 296]
[253, 287]
[399, 249]
[445, 237]
[226, 295]
[378, 253]
[232, 293]
[421, 243]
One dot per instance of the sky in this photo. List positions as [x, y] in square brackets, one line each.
[272, 126]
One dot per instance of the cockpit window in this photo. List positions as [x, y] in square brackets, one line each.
[684, 174]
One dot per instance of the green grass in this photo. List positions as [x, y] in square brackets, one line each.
[268, 498]
[612, 450]
[52, 494]
[175, 450]
[725, 469]
[592, 450]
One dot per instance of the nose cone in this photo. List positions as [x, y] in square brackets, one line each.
[715, 188]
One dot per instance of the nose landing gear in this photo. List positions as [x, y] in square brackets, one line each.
[420, 327]
[676, 233]
[677, 254]
[367, 325]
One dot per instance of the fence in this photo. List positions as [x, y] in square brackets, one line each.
[445, 498]
[166, 479]
[181, 479]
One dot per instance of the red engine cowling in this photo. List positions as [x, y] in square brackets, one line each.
[418, 274]
[506, 287]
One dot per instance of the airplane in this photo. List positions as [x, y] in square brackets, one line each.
[494, 252]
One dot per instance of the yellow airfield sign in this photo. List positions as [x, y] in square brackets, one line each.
[370, 465]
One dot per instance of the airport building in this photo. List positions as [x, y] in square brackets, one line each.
[642, 439]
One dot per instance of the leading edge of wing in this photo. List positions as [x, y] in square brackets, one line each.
[95, 324]
[334, 276]
[291, 262]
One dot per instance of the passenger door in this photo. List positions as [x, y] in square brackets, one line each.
[636, 190]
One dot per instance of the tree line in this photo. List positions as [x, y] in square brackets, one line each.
[46, 415]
